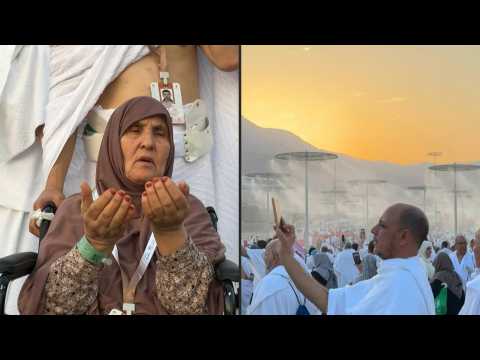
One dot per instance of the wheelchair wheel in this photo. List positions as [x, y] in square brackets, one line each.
[229, 298]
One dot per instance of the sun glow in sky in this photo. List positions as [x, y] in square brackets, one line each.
[390, 103]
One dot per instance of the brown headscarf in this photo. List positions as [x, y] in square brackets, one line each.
[445, 272]
[67, 227]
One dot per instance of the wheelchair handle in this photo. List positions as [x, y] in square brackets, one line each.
[45, 224]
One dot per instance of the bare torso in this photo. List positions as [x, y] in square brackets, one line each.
[135, 80]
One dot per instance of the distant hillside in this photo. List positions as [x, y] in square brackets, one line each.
[259, 146]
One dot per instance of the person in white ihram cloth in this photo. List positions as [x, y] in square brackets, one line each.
[472, 296]
[462, 260]
[63, 88]
[246, 283]
[310, 263]
[276, 294]
[24, 85]
[400, 287]
[344, 266]
[256, 258]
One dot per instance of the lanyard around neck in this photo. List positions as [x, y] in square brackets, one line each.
[291, 287]
[129, 286]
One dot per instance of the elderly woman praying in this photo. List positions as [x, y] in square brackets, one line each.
[139, 243]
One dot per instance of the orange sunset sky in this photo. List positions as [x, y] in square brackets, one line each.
[390, 103]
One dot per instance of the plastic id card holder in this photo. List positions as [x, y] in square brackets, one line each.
[171, 97]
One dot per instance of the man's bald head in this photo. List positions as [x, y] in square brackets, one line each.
[400, 231]
[415, 220]
[272, 255]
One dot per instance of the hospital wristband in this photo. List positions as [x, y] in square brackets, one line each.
[89, 253]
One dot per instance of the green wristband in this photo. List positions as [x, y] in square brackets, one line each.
[89, 253]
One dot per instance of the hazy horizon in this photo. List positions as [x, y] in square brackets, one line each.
[427, 160]
[379, 103]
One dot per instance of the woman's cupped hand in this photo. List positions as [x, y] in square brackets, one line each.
[105, 218]
[164, 203]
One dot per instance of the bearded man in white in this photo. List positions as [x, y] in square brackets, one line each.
[400, 287]
[462, 260]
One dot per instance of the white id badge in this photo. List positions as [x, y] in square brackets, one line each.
[171, 98]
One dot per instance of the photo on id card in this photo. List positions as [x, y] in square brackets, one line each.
[171, 97]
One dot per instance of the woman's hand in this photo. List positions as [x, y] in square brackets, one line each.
[105, 218]
[165, 204]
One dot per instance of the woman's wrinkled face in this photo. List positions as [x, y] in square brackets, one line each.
[145, 148]
[428, 252]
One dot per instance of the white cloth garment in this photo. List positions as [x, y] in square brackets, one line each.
[259, 269]
[78, 76]
[246, 285]
[257, 262]
[363, 252]
[422, 253]
[472, 298]
[475, 273]
[7, 54]
[277, 295]
[429, 269]
[400, 287]
[465, 268]
[220, 91]
[23, 97]
[345, 268]
[247, 292]
[22, 110]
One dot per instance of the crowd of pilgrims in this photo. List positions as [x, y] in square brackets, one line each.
[450, 268]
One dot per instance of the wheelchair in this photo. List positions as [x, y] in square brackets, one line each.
[18, 265]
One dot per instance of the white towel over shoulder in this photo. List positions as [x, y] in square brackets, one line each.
[472, 298]
[23, 96]
[400, 288]
[78, 76]
[24, 81]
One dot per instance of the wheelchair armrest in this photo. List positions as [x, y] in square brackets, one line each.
[18, 265]
[227, 270]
